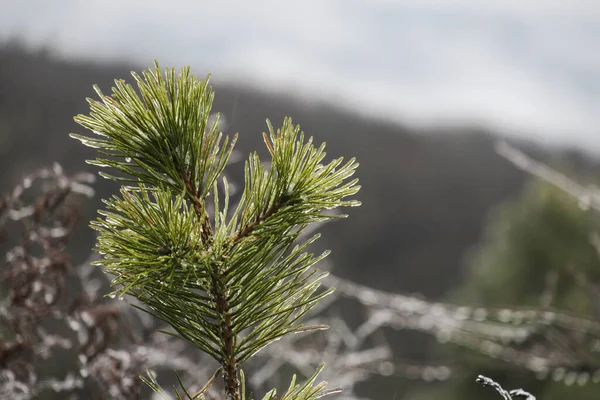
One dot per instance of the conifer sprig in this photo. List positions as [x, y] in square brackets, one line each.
[230, 283]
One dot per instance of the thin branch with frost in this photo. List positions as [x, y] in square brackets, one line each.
[526, 337]
[506, 395]
[588, 196]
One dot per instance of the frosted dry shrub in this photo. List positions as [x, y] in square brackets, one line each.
[51, 334]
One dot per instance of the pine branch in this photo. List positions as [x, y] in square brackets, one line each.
[229, 284]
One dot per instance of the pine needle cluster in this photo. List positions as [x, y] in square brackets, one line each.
[229, 279]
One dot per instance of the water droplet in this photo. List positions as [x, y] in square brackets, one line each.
[570, 378]
[428, 374]
[48, 298]
[443, 373]
[559, 374]
[583, 378]
[112, 295]
[443, 336]
[480, 315]
[386, 368]
[128, 159]
[585, 202]
[73, 324]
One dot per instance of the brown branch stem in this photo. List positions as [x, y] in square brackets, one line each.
[247, 231]
[199, 209]
[228, 362]
[219, 292]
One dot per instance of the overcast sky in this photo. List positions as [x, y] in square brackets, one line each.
[529, 67]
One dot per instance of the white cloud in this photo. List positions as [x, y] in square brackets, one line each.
[528, 66]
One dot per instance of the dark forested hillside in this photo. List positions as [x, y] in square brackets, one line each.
[424, 195]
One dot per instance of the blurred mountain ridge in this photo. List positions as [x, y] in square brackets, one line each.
[425, 194]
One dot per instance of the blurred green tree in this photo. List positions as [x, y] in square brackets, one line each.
[538, 252]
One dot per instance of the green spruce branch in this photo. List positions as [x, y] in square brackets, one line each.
[232, 282]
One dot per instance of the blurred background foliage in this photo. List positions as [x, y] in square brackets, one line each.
[536, 252]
